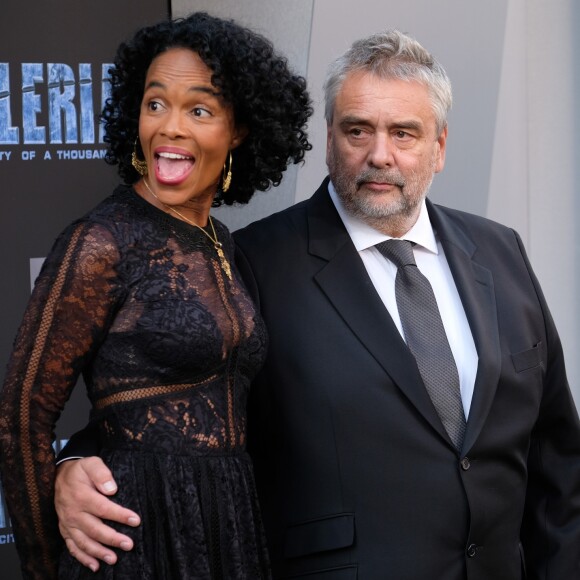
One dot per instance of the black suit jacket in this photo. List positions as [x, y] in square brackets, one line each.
[356, 474]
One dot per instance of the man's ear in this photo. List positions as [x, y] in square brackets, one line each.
[440, 153]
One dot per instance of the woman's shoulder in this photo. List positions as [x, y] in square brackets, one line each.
[118, 204]
[122, 213]
[102, 225]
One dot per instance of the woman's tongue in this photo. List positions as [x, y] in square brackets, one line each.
[172, 169]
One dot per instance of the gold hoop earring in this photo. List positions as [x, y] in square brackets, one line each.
[140, 165]
[227, 175]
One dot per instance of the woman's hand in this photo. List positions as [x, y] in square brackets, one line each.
[80, 499]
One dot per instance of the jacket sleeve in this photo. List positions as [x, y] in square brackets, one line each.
[551, 525]
[84, 443]
[67, 317]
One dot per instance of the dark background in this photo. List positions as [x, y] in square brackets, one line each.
[40, 197]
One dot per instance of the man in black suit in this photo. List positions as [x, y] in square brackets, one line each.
[358, 473]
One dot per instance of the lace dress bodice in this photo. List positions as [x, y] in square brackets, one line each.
[167, 344]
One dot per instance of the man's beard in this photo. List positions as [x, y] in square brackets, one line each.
[367, 206]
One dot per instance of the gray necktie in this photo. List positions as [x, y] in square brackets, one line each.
[426, 338]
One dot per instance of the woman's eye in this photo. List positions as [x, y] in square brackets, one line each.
[154, 106]
[200, 112]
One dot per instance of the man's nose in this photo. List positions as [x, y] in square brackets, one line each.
[381, 151]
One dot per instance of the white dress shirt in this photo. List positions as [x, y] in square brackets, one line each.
[432, 263]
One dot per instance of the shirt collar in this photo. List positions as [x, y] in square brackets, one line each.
[364, 236]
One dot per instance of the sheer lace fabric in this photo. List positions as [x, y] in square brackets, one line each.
[137, 302]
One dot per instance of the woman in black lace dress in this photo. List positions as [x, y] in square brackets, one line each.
[142, 297]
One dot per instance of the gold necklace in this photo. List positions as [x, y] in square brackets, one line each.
[216, 243]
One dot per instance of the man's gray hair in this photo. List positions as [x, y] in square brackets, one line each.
[391, 55]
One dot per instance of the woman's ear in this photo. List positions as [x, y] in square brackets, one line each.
[240, 133]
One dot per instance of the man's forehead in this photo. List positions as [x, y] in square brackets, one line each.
[364, 94]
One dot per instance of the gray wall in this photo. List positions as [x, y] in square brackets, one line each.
[513, 148]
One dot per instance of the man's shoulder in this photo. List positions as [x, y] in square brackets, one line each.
[274, 222]
[470, 222]
[282, 225]
[275, 239]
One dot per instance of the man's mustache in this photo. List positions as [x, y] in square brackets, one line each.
[381, 176]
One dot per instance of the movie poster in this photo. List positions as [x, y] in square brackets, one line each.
[54, 78]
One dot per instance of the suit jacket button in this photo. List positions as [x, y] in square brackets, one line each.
[471, 550]
[465, 463]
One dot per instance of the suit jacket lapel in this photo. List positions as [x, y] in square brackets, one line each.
[345, 282]
[475, 286]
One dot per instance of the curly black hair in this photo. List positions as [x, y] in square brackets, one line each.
[266, 97]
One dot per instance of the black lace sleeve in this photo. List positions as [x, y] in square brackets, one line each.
[67, 316]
